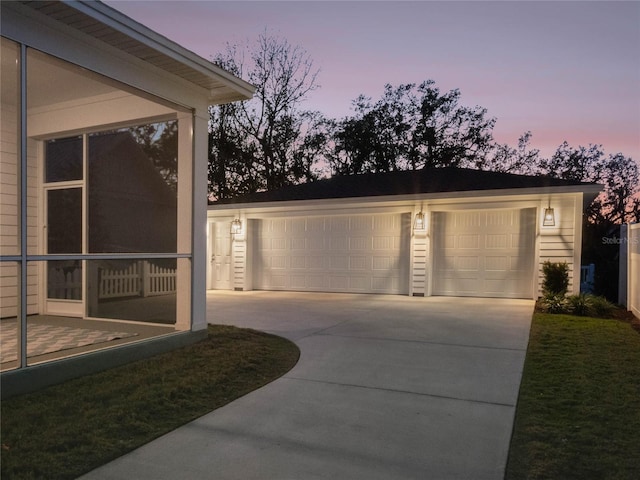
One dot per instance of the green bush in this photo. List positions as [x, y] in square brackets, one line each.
[556, 278]
[587, 305]
[554, 303]
[601, 307]
[580, 304]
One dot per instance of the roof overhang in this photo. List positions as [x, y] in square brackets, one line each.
[589, 192]
[115, 29]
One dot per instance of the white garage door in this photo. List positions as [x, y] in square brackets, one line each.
[484, 253]
[351, 253]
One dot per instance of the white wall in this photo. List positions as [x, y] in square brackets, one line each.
[633, 278]
[10, 215]
[9, 210]
[562, 242]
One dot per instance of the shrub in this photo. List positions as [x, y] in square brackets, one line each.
[580, 304]
[601, 307]
[590, 306]
[556, 278]
[554, 303]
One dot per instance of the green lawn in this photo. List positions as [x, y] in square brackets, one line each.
[69, 429]
[578, 415]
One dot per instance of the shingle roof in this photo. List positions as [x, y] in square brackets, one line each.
[408, 182]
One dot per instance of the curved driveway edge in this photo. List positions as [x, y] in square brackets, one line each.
[387, 387]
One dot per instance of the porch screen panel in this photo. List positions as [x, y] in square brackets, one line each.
[143, 290]
[63, 159]
[10, 201]
[9, 150]
[64, 220]
[132, 190]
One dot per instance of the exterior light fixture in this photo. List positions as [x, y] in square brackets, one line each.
[236, 226]
[419, 223]
[549, 217]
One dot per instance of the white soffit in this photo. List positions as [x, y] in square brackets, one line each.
[103, 23]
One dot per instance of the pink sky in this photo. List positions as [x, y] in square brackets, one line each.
[563, 70]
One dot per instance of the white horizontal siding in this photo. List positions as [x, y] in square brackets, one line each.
[419, 266]
[558, 243]
[239, 255]
[8, 182]
[9, 215]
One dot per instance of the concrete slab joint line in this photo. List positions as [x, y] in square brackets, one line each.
[413, 388]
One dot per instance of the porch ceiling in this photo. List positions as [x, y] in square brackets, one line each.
[119, 31]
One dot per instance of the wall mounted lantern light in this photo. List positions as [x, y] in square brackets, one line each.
[419, 223]
[236, 226]
[549, 219]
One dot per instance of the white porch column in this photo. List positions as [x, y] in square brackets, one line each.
[184, 223]
[198, 198]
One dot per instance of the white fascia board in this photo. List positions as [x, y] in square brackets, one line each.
[483, 196]
[139, 32]
[24, 25]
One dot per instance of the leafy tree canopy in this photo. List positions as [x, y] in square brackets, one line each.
[270, 141]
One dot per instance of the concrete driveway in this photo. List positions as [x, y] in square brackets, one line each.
[387, 387]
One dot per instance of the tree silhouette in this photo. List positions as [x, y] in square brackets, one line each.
[264, 143]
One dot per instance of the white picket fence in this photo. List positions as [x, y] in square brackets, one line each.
[64, 283]
[142, 279]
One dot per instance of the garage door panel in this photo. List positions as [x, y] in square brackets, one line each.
[519, 241]
[315, 243]
[340, 262]
[339, 224]
[358, 263]
[383, 243]
[334, 253]
[277, 262]
[340, 244]
[278, 244]
[278, 281]
[297, 226]
[497, 241]
[277, 226]
[362, 223]
[385, 284]
[359, 243]
[315, 225]
[298, 281]
[360, 283]
[446, 265]
[338, 282]
[466, 219]
[448, 241]
[498, 287]
[460, 286]
[499, 218]
[298, 262]
[384, 263]
[316, 282]
[468, 241]
[298, 243]
[467, 263]
[500, 265]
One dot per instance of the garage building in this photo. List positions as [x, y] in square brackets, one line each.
[446, 231]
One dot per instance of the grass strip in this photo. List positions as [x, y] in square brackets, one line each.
[578, 414]
[69, 429]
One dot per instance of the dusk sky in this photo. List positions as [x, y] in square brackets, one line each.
[563, 70]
